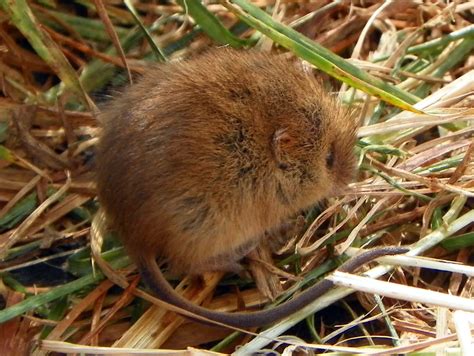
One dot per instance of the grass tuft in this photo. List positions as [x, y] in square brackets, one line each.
[404, 68]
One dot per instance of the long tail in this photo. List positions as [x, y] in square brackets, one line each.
[155, 280]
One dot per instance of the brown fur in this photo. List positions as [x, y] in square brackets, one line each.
[200, 158]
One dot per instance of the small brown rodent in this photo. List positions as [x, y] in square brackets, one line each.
[199, 158]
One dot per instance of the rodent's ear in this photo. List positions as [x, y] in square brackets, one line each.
[283, 141]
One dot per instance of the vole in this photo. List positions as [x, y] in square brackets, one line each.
[200, 158]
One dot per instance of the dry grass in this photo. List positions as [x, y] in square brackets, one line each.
[415, 185]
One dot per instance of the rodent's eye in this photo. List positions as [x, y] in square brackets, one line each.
[330, 158]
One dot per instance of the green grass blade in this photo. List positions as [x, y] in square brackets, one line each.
[55, 293]
[458, 242]
[160, 56]
[6, 154]
[319, 56]
[86, 28]
[210, 24]
[466, 32]
[462, 50]
[19, 212]
[43, 298]
[21, 16]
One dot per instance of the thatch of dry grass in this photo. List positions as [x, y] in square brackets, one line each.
[60, 60]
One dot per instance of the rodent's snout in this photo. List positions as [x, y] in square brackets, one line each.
[341, 159]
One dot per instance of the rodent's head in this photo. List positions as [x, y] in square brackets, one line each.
[316, 148]
[308, 137]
